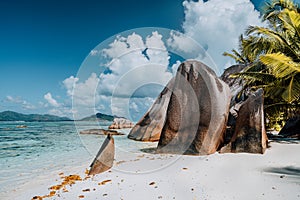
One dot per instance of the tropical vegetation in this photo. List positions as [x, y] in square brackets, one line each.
[271, 56]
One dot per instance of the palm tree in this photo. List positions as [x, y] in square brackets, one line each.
[274, 56]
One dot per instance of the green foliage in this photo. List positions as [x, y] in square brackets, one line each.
[273, 56]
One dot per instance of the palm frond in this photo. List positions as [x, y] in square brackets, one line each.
[236, 56]
[256, 76]
[292, 92]
[290, 22]
[280, 64]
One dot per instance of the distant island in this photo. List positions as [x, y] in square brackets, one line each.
[99, 117]
[14, 116]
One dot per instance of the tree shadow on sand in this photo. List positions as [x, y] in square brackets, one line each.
[288, 170]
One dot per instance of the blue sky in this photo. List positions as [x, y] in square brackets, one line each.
[43, 43]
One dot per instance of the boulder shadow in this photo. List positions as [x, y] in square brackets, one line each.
[151, 150]
[284, 140]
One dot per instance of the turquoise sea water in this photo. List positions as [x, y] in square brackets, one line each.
[41, 147]
[35, 151]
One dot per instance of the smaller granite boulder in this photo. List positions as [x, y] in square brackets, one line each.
[100, 132]
[104, 158]
[235, 84]
[249, 134]
[291, 129]
[149, 127]
[120, 123]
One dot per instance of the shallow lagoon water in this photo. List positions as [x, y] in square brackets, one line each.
[43, 147]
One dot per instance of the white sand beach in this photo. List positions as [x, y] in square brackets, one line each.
[273, 175]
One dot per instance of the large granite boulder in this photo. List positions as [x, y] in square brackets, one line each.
[291, 129]
[149, 127]
[104, 158]
[197, 112]
[120, 123]
[249, 134]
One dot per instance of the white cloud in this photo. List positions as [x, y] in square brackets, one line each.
[135, 63]
[18, 100]
[209, 29]
[83, 94]
[69, 84]
[28, 106]
[132, 63]
[216, 25]
[94, 52]
[9, 98]
[122, 46]
[48, 97]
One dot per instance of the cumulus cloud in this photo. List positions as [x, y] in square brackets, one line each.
[135, 63]
[94, 52]
[83, 94]
[216, 25]
[69, 84]
[131, 62]
[48, 97]
[18, 100]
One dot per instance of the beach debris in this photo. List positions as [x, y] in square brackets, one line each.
[56, 187]
[249, 135]
[149, 127]
[197, 112]
[100, 132]
[51, 194]
[184, 168]
[104, 158]
[37, 198]
[81, 196]
[152, 183]
[86, 190]
[65, 190]
[67, 180]
[104, 182]
[71, 179]
[120, 123]
[120, 162]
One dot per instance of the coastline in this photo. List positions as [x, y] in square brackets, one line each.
[273, 175]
